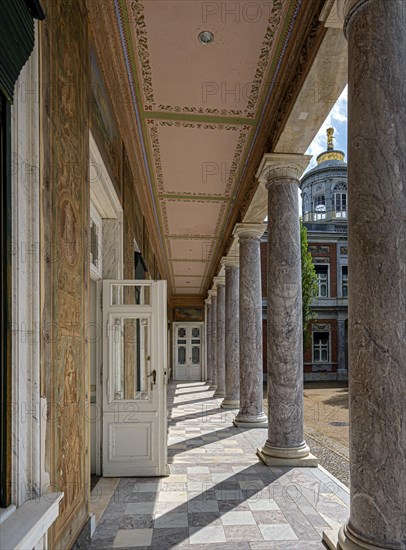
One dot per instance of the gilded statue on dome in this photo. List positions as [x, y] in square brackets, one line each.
[330, 139]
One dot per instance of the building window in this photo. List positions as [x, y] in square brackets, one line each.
[320, 207]
[344, 281]
[306, 203]
[322, 279]
[340, 200]
[321, 344]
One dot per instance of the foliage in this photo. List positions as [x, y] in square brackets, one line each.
[309, 286]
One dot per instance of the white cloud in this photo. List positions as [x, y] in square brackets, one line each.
[336, 118]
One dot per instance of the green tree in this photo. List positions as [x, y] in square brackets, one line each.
[309, 286]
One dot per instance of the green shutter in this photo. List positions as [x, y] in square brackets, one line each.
[16, 39]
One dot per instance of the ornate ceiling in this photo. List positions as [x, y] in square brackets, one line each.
[199, 109]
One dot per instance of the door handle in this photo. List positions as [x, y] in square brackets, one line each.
[153, 374]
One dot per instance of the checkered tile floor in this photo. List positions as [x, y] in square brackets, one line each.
[219, 494]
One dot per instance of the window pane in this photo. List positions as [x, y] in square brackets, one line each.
[196, 355]
[130, 358]
[130, 295]
[182, 356]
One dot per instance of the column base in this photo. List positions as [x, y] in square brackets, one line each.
[219, 393]
[230, 404]
[342, 539]
[342, 374]
[212, 387]
[294, 457]
[246, 421]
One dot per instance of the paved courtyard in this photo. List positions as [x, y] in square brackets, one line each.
[218, 493]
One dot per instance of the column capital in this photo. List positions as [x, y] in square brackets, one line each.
[348, 8]
[230, 261]
[249, 230]
[212, 292]
[208, 301]
[219, 280]
[276, 167]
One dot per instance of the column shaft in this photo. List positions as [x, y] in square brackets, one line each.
[250, 305]
[221, 369]
[377, 266]
[285, 342]
[213, 347]
[209, 377]
[285, 444]
[232, 338]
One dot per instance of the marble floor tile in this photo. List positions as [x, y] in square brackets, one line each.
[171, 520]
[269, 517]
[201, 519]
[137, 521]
[212, 533]
[163, 539]
[238, 518]
[242, 533]
[178, 496]
[262, 505]
[196, 506]
[278, 532]
[140, 508]
[133, 537]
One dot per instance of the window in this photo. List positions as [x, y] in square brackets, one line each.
[340, 200]
[322, 279]
[321, 341]
[320, 207]
[344, 281]
[306, 203]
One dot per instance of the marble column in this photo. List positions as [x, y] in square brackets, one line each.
[232, 335]
[221, 368]
[377, 265]
[209, 374]
[213, 339]
[342, 373]
[285, 445]
[250, 414]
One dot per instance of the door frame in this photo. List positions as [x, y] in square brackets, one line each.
[202, 325]
[105, 204]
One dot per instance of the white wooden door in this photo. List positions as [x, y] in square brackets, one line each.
[188, 346]
[134, 378]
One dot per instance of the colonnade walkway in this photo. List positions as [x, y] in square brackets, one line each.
[219, 494]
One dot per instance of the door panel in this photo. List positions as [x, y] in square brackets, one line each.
[134, 378]
[187, 352]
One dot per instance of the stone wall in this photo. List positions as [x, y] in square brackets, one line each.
[65, 199]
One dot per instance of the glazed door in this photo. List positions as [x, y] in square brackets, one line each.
[188, 351]
[134, 378]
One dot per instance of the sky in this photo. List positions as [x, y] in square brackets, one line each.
[336, 119]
